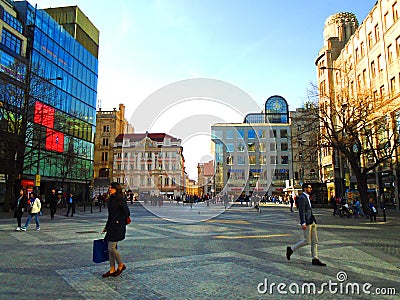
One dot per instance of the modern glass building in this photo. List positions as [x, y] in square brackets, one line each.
[60, 81]
[254, 157]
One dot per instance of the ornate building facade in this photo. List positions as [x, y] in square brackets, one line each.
[362, 60]
[109, 125]
[149, 164]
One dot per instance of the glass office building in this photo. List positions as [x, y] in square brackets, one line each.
[254, 157]
[61, 143]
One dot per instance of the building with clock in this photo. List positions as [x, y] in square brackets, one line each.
[254, 157]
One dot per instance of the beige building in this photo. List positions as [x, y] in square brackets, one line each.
[205, 180]
[109, 125]
[149, 164]
[77, 24]
[366, 59]
[304, 148]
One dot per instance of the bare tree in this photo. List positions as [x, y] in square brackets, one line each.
[360, 127]
[20, 91]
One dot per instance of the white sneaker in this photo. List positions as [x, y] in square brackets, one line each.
[18, 229]
[23, 228]
[37, 228]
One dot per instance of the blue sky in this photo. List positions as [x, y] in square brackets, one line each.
[264, 47]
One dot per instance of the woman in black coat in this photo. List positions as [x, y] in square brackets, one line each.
[115, 228]
[19, 207]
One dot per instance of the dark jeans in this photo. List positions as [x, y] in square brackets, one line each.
[71, 207]
[53, 210]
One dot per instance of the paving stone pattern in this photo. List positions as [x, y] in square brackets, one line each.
[230, 256]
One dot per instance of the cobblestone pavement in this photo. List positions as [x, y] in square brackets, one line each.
[239, 254]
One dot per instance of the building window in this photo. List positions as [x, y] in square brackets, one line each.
[281, 174]
[284, 147]
[106, 128]
[251, 147]
[251, 134]
[273, 160]
[393, 86]
[272, 147]
[229, 160]
[104, 156]
[252, 160]
[105, 142]
[104, 172]
[241, 147]
[240, 134]
[395, 13]
[263, 160]
[261, 133]
[362, 50]
[263, 148]
[285, 160]
[284, 133]
[11, 41]
[229, 147]
[377, 33]
[390, 54]
[272, 134]
[229, 134]
[385, 21]
[241, 160]
[369, 40]
[382, 91]
[373, 71]
[380, 63]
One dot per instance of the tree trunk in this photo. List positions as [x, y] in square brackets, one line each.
[9, 199]
[362, 185]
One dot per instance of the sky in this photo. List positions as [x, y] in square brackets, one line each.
[261, 47]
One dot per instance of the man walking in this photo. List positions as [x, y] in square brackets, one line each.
[53, 203]
[70, 200]
[309, 226]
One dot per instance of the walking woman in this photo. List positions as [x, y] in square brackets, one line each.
[20, 207]
[115, 228]
[34, 207]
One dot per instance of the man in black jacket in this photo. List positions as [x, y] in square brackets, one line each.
[309, 226]
[53, 203]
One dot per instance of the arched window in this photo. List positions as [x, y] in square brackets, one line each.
[276, 110]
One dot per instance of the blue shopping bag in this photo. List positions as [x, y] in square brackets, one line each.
[100, 251]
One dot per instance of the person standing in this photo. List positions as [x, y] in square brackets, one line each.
[334, 204]
[70, 200]
[309, 226]
[291, 203]
[53, 199]
[19, 207]
[34, 207]
[115, 228]
[373, 211]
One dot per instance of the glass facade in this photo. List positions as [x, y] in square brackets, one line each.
[63, 125]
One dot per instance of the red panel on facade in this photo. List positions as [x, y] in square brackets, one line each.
[54, 140]
[44, 115]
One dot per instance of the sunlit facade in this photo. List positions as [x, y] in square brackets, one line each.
[366, 59]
